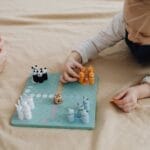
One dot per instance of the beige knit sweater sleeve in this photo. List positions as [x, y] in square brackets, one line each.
[113, 33]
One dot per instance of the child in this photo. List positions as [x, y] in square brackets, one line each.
[133, 27]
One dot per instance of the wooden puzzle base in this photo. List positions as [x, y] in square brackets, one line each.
[47, 114]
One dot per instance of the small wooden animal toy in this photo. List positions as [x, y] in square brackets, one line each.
[71, 115]
[81, 77]
[90, 69]
[26, 111]
[58, 99]
[39, 75]
[85, 116]
[91, 78]
[86, 104]
[30, 102]
[87, 75]
[19, 111]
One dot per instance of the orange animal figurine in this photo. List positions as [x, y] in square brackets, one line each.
[87, 75]
[90, 69]
[81, 77]
[91, 78]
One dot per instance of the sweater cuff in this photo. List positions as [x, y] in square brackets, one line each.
[87, 50]
[146, 79]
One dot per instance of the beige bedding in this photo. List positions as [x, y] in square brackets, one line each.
[43, 32]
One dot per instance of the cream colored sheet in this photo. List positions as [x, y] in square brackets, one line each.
[43, 32]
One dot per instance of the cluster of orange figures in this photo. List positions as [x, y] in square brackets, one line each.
[87, 75]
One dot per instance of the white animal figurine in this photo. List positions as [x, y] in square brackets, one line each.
[86, 104]
[85, 116]
[19, 111]
[81, 108]
[30, 102]
[26, 111]
[71, 115]
[77, 110]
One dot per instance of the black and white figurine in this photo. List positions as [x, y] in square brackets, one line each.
[34, 74]
[45, 76]
[39, 75]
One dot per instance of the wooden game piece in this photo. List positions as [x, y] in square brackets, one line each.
[83, 69]
[86, 80]
[91, 75]
[81, 108]
[34, 75]
[86, 104]
[58, 99]
[19, 111]
[77, 110]
[90, 69]
[30, 102]
[26, 111]
[85, 116]
[45, 76]
[91, 78]
[40, 76]
[87, 75]
[81, 77]
[71, 115]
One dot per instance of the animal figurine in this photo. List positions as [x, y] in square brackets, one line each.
[86, 104]
[26, 111]
[71, 115]
[87, 76]
[84, 116]
[19, 111]
[58, 99]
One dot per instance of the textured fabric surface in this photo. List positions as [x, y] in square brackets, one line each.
[43, 32]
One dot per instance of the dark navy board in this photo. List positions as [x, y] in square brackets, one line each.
[47, 114]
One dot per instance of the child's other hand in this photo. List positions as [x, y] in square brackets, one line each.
[71, 67]
[127, 99]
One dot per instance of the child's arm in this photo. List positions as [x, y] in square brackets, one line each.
[110, 35]
[107, 37]
[127, 99]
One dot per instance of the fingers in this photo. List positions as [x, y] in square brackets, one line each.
[78, 65]
[129, 107]
[62, 80]
[72, 73]
[120, 95]
[126, 104]
[66, 78]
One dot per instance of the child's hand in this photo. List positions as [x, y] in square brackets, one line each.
[127, 99]
[71, 67]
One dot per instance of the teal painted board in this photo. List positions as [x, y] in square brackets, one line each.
[49, 115]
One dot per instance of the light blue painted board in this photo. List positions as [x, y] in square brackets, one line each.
[48, 115]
